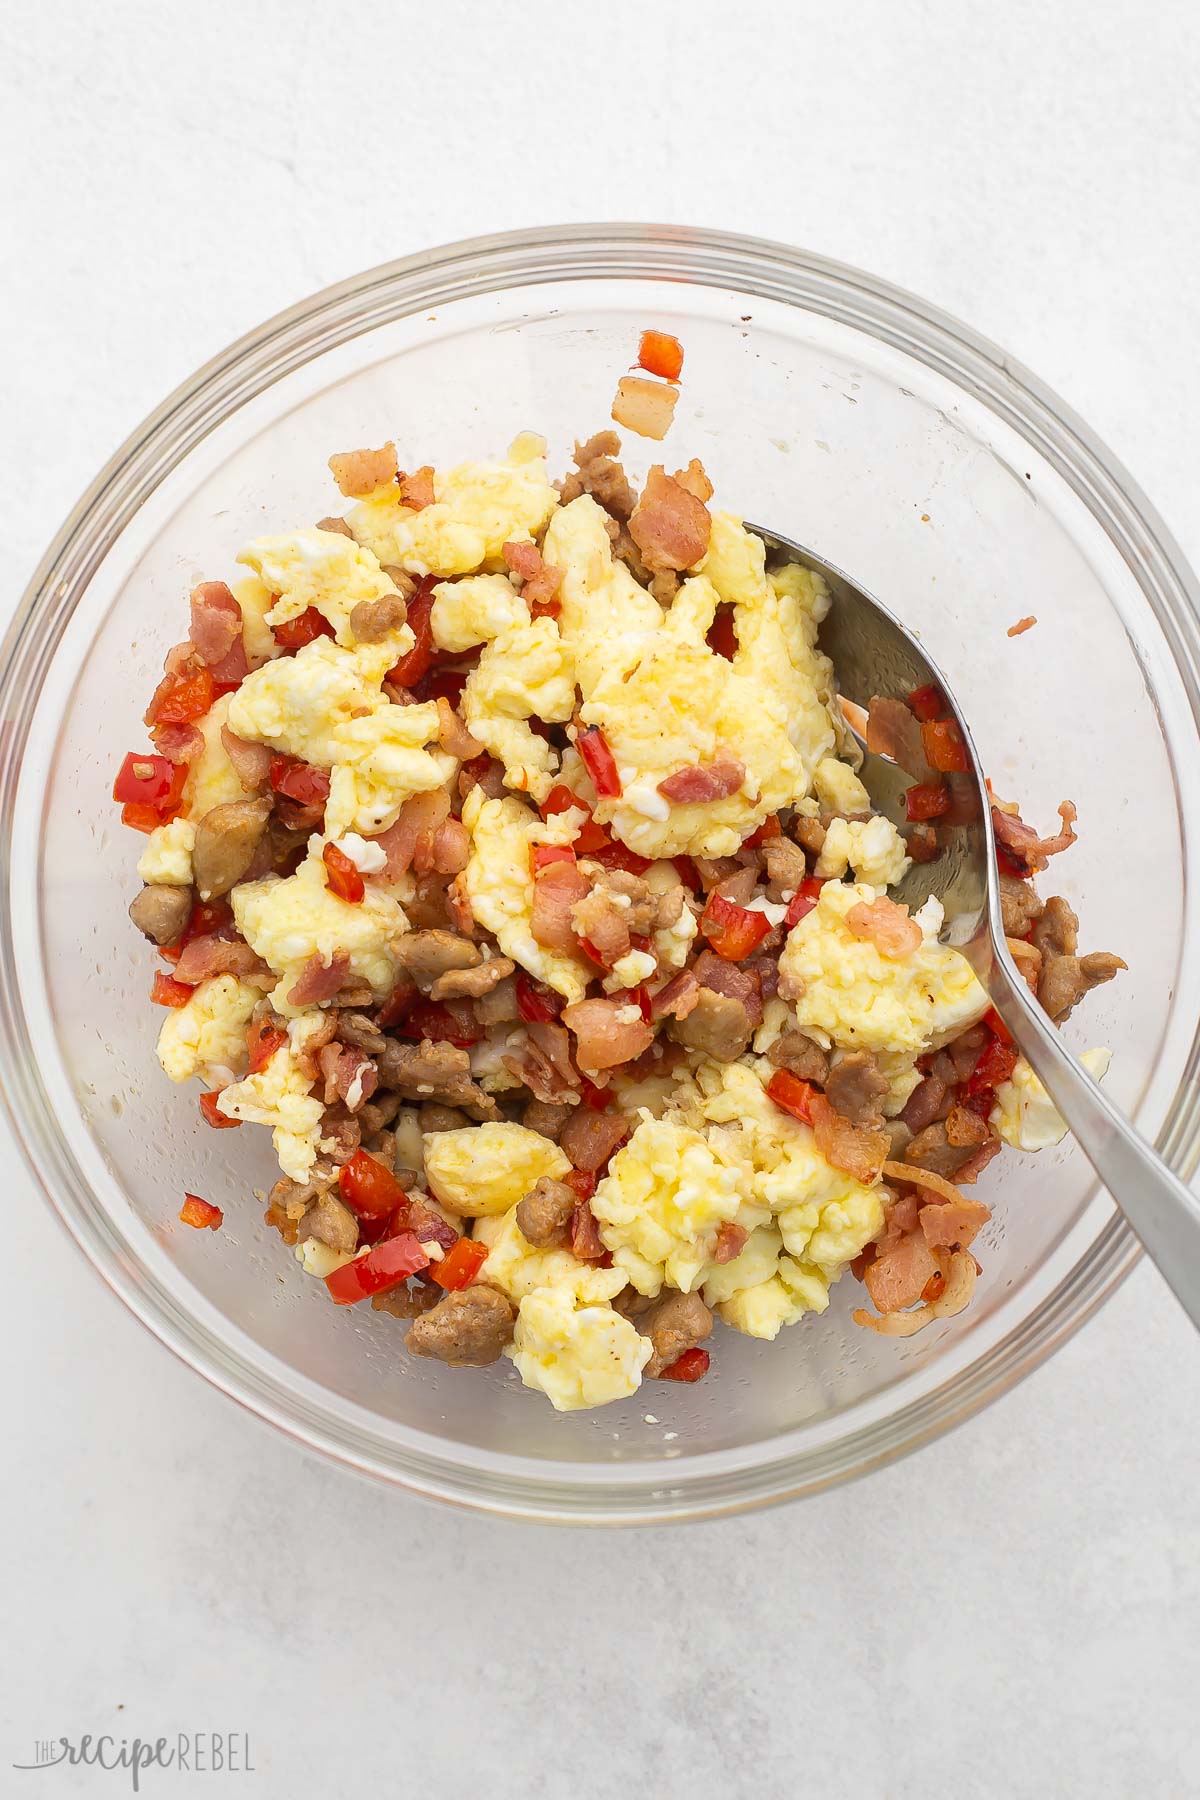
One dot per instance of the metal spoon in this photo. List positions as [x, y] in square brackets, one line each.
[873, 654]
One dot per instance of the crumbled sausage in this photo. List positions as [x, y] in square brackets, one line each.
[472, 983]
[467, 1329]
[809, 834]
[376, 1114]
[547, 1118]
[931, 1149]
[340, 1134]
[601, 476]
[371, 620]
[800, 1056]
[435, 1117]
[1066, 979]
[1056, 932]
[429, 1071]
[785, 865]
[500, 1006]
[404, 1302]
[428, 954]
[544, 1215]
[429, 908]
[854, 1088]
[226, 839]
[717, 1026]
[331, 1222]
[161, 912]
[1020, 907]
[677, 1323]
[360, 1031]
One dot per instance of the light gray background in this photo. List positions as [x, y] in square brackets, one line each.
[1012, 1612]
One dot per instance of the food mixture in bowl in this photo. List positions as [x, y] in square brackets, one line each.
[508, 860]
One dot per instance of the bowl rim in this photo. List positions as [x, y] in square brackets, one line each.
[560, 1492]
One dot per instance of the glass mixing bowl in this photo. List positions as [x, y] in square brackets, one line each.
[823, 402]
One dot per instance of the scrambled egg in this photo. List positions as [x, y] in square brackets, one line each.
[761, 1290]
[255, 601]
[207, 1035]
[477, 509]
[279, 1096]
[381, 763]
[873, 848]
[839, 788]
[474, 611]
[850, 994]
[568, 1342]
[527, 672]
[212, 779]
[489, 1168]
[1024, 1114]
[167, 857]
[660, 1204]
[317, 568]
[286, 920]
[499, 882]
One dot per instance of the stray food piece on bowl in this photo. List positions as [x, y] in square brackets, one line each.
[507, 860]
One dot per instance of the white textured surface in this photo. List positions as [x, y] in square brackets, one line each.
[1012, 1612]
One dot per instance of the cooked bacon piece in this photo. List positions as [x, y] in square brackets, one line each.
[886, 925]
[898, 1277]
[553, 1042]
[453, 736]
[893, 730]
[359, 472]
[848, 1147]
[603, 921]
[734, 980]
[318, 981]
[450, 848]
[589, 1137]
[420, 815]
[541, 580]
[416, 490]
[600, 476]
[349, 1075]
[178, 743]
[533, 1067]
[458, 910]
[678, 998]
[1025, 845]
[731, 1241]
[602, 1039]
[669, 524]
[216, 621]
[644, 407]
[211, 955]
[704, 782]
[586, 1242]
[953, 1225]
[251, 762]
[555, 892]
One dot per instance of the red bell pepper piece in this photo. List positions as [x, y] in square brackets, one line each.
[417, 661]
[688, 873]
[399, 1004]
[459, 1267]
[542, 855]
[164, 991]
[792, 1095]
[660, 354]
[581, 1181]
[149, 780]
[803, 900]
[299, 781]
[386, 1266]
[368, 1188]
[996, 1025]
[537, 1004]
[722, 638]
[591, 836]
[994, 1066]
[342, 877]
[733, 931]
[599, 761]
[928, 800]
[181, 698]
[262, 1041]
[944, 747]
[614, 855]
[430, 1019]
[596, 1097]
[212, 1116]
[200, 1213]
[767, 832]
[641, 995]
[689, 1367]
[293, 634]
[928, 703]
[1008, 864]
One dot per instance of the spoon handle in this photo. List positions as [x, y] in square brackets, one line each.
[1163, 1211]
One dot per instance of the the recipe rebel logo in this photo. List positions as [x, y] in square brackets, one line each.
[192, 1753]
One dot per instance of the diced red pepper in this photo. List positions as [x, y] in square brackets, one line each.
[599, 761]
[200, 1213]
[299, 781]
[597, 956]
[210, 918]
[660, 354]
[459, 1267]
[537, 1005]
[688, 873]
[581, 1181]
[368, 1188]
[934, 1287]
[430, 1019]
[293, 634]
[140, 817]
[792, 1094]
[445, 684]
[733, 931]
[1008, 864]
[398, 1005]
[342, 877]
[945, 749]
[767, 832]
[615, 855]
[994, 1066]
[928, 703]
[689, 1367]
[928, 800]
[386, 1266]
[803, 900]
[722, 638]
[212, 1115]
[996, 1025]
[641, 996]
[597, 1098]
[262, 1041]
[591, 836]
[181, 698]
[164, 991]
[417, 661]
[149, 780]
[542, 855]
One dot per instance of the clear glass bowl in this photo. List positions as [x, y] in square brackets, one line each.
[849, 415]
